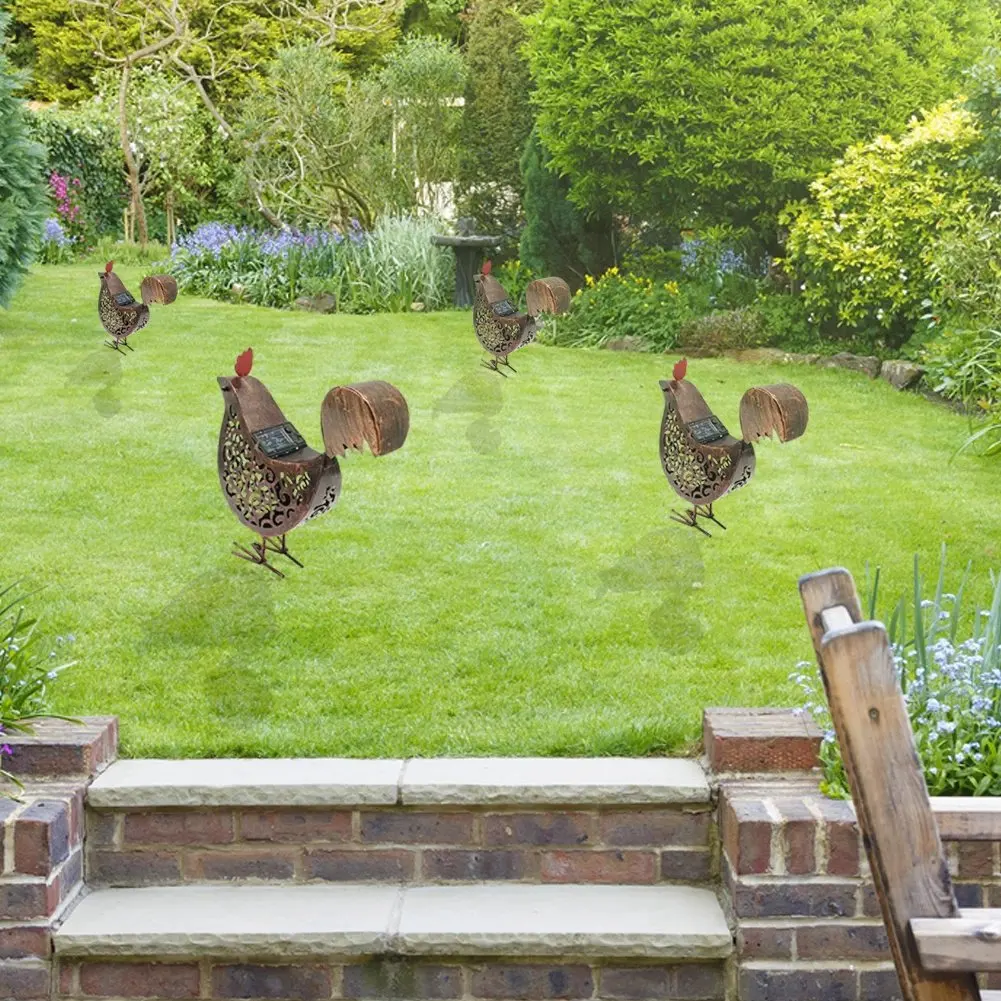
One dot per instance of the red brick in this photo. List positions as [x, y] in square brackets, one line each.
[599, 867]
[842, 836]
[24, 941]
[25, 981]
[41, 837]
[969, 894]
[976, 858]
[747, 834]
[406, 828]
[531, 981]
[101, 828]
[538, 829]
[689, 865]
[760, 740]
[879, 985]
[764, 942]
[393, 977]
[67, 977]
[239, 865]
[388, 866]
[139, 980]
[842, 941]
[698, 982]
[459, 864]
[870, 902]
[798, 836]
[781, 899]
[184, 827]
[660, 828]
[305, 983]
[32, 898]
[57, 748]
[298, 826]
[636, 983]
[136, 868]
[835, 984]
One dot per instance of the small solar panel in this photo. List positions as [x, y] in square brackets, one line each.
[124, 299]
[706, 430]
[504, 308]
[282, 439]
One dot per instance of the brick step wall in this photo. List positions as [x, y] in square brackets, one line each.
[486, 979]
[587, 844]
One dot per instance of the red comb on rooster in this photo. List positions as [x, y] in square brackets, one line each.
[244, 363]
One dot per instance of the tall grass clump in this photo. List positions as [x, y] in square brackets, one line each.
[948, 663]
[393, 267]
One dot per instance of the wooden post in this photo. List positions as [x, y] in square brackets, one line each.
[891, 799]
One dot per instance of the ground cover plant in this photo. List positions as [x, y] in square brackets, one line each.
[509, 582]
[948, 662]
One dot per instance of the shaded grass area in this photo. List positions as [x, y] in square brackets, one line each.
[509, 582]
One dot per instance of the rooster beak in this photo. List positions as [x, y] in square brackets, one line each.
[665, 385]
[224, 382]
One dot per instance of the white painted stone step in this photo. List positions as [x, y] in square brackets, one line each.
[642, 922]
[224, 782]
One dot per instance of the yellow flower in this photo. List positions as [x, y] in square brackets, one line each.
[588, 281]
[671, 287]
[612, 271]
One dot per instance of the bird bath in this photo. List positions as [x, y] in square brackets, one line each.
[468, 251]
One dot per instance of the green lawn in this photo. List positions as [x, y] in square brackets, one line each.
[508, 582]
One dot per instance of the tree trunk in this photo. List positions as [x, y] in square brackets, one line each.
[130, 162]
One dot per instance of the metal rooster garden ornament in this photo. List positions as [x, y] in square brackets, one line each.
[701, 459]
[121, 315]
[272, 480]
[499, 327]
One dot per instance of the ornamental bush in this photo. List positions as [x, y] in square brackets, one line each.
[23, 202]
[694, 113]
[82, 147]
[619, 307]
[863, 247]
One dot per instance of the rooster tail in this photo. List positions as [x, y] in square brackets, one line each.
[779, 409]
[158, 288]
[372, 412]
[547, 295]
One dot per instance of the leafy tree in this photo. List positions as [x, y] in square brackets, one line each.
[497, 117]
[863, 247]
[696, 112]
[442, 18]
[983, 89]
[301, 150]
[421, 81]
[557, 238]
[23, 201]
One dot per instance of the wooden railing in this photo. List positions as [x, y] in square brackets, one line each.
[937, 948]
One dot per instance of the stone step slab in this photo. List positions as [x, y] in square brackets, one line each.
[280, 922]
[224, 782]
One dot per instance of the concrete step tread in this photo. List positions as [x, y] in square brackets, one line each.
[676, 922]
[222, 782]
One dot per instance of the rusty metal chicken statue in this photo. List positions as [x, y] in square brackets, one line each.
[272, 480]
[701, 459]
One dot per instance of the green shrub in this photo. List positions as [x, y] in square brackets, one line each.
[949, 667]
[23, 201]
[862, 248]
[84, 147]
[693, 112]
[515, 277]
[983, 90]
[723, 330]
[618, 306]
[787, 323]
[25, 672]
[558, 239]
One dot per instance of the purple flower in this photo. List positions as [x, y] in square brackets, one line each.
[6, 749]
[54, 233]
